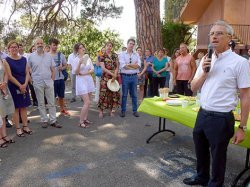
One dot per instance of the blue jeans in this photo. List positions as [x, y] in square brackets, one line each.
[167, 79]
[148, 87]
[129, 84]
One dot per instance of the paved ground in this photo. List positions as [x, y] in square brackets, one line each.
[112, 152]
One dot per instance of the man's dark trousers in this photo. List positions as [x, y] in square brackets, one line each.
[212, 130]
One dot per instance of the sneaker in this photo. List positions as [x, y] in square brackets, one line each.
[136, 114]
[8, 124]
[73, 100]
[45, 125]
[65, 112]
[122, 114]
[56, 125]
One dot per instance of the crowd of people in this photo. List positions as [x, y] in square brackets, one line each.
[41, 74]
[38, 78]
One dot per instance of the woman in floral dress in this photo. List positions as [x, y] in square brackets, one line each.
[108, 99]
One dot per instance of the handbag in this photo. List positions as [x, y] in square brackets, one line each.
[64, 72]
[97, 70]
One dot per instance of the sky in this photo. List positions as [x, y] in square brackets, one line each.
[125, 25]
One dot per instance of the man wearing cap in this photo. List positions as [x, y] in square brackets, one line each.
[130, 63]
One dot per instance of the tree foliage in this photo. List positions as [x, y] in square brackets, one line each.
[173, 9]
[99, 9]
[175, 33]
[91, 37]
[51, 17]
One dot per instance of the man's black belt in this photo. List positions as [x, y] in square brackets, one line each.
[129, 75]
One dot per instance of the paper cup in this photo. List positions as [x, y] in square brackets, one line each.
[184, 104]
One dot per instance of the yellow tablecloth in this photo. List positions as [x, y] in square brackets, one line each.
[185, 116]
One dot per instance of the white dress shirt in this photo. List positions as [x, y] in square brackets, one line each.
[227, 74]
[125, 58]
[73, 61]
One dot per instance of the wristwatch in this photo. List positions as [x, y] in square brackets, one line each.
[243, 127]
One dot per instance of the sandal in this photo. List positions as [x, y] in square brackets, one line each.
[83, 125]
[8, 141]
[87, 122]
[20, 135]
[29, 132]
[4, 144]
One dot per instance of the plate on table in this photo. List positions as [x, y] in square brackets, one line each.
[174, 102]
[173, 96]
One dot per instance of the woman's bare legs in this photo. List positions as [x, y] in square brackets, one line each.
[19, 131]
[23, 112]
[85, 108]
[3, 133]
[141, 92]
[2, 141]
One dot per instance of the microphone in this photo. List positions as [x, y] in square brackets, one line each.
[210, 52]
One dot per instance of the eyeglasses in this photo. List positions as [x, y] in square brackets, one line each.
[14, 47]
[130, 60]
[218, 33]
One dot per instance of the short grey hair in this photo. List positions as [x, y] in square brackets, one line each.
[228, 27]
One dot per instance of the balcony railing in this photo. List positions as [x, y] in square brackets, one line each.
[241, 32]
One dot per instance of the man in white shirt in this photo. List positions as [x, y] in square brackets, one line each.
[214, 127]
[130, 63]
[72, 64]
[3, 55]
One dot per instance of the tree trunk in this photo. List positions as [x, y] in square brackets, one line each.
[148, 24]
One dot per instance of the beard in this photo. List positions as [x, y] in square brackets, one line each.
[39, 49]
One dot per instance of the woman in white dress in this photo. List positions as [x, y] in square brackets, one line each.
[84, 83]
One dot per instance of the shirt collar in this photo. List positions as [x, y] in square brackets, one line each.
[128, 53]
[225, 53]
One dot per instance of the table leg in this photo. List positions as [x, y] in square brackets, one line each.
[247, 167]
[161, 129]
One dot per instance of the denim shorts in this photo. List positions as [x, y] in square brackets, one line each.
[59, 88]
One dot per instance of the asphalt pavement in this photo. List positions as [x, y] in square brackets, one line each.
[111, 152]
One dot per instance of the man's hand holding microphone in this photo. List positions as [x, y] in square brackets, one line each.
[207, 60]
